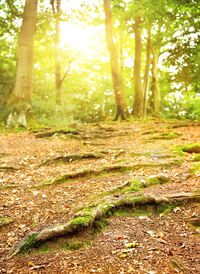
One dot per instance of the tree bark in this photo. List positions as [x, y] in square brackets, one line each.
[147, 69]
[116, 75]
[138, 99]
[155, 84]
[22, 92]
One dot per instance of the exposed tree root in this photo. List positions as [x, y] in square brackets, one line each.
[104, 170]
[74, 157]
[10, 168]
[57, 131]
[87, 216]
[166, 136]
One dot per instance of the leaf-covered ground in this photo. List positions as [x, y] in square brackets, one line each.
[140, 241]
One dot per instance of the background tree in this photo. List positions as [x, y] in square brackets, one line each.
[21, 97]
[116, 75]
[138, 96]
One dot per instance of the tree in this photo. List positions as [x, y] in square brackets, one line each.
[116, 75]
[147, 69]
[155, 85]
[20, 100]
[138, 99]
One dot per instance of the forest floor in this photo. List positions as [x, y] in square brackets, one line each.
[135, 241]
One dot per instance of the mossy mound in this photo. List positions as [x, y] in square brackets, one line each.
[193, 148]
[166, 136]
[5, 220]
[194, 169]
[196, 158]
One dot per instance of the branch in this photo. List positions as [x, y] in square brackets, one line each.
[13, 9]
[53, 6]
[67, 71]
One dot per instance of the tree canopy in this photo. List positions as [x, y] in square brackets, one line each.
[80, 59]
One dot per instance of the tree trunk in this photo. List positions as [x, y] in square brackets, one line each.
[146, 75]
[155, 85]
[21, 97]
[138, 99]
[121, 54]
[116, 75]
[59, 95]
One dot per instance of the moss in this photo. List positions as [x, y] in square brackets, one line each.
[194, 148]
[165, 208]
[81, 221]
[30, 241]
[5, 220]
[71, 246]
[194, 169]
[166, 136]
[100, 225]
[123, 212]
[156, 181]
[196, 158]
[138, 200]
[44, 249]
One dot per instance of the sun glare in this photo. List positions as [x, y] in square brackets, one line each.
[77, 37]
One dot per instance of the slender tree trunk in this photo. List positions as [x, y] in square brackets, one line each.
[121, 54]
[138, 99]
[21, 97]
[147, 69]
[116, 75]
[59, 95]
[155, 85]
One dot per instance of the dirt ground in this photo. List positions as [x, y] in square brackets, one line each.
[166, 243]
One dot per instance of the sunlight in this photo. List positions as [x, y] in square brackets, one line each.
[77, 37]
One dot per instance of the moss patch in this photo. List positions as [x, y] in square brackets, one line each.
[165, 208]
[82, 221]
[71, 246]
[137, 185]
[166, 136]
[194, 148]
[44, 249]
[196, 158]
[100, 225]
[30, 241]
[5, 220]
[194, 169]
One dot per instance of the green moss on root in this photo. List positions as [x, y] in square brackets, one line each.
[81, 222]
[100, 225]
[194, 148]
[165, 208]
[159, 180]
[166, 136]
[30, 242]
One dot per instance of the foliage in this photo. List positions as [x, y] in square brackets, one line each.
[87, 88]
